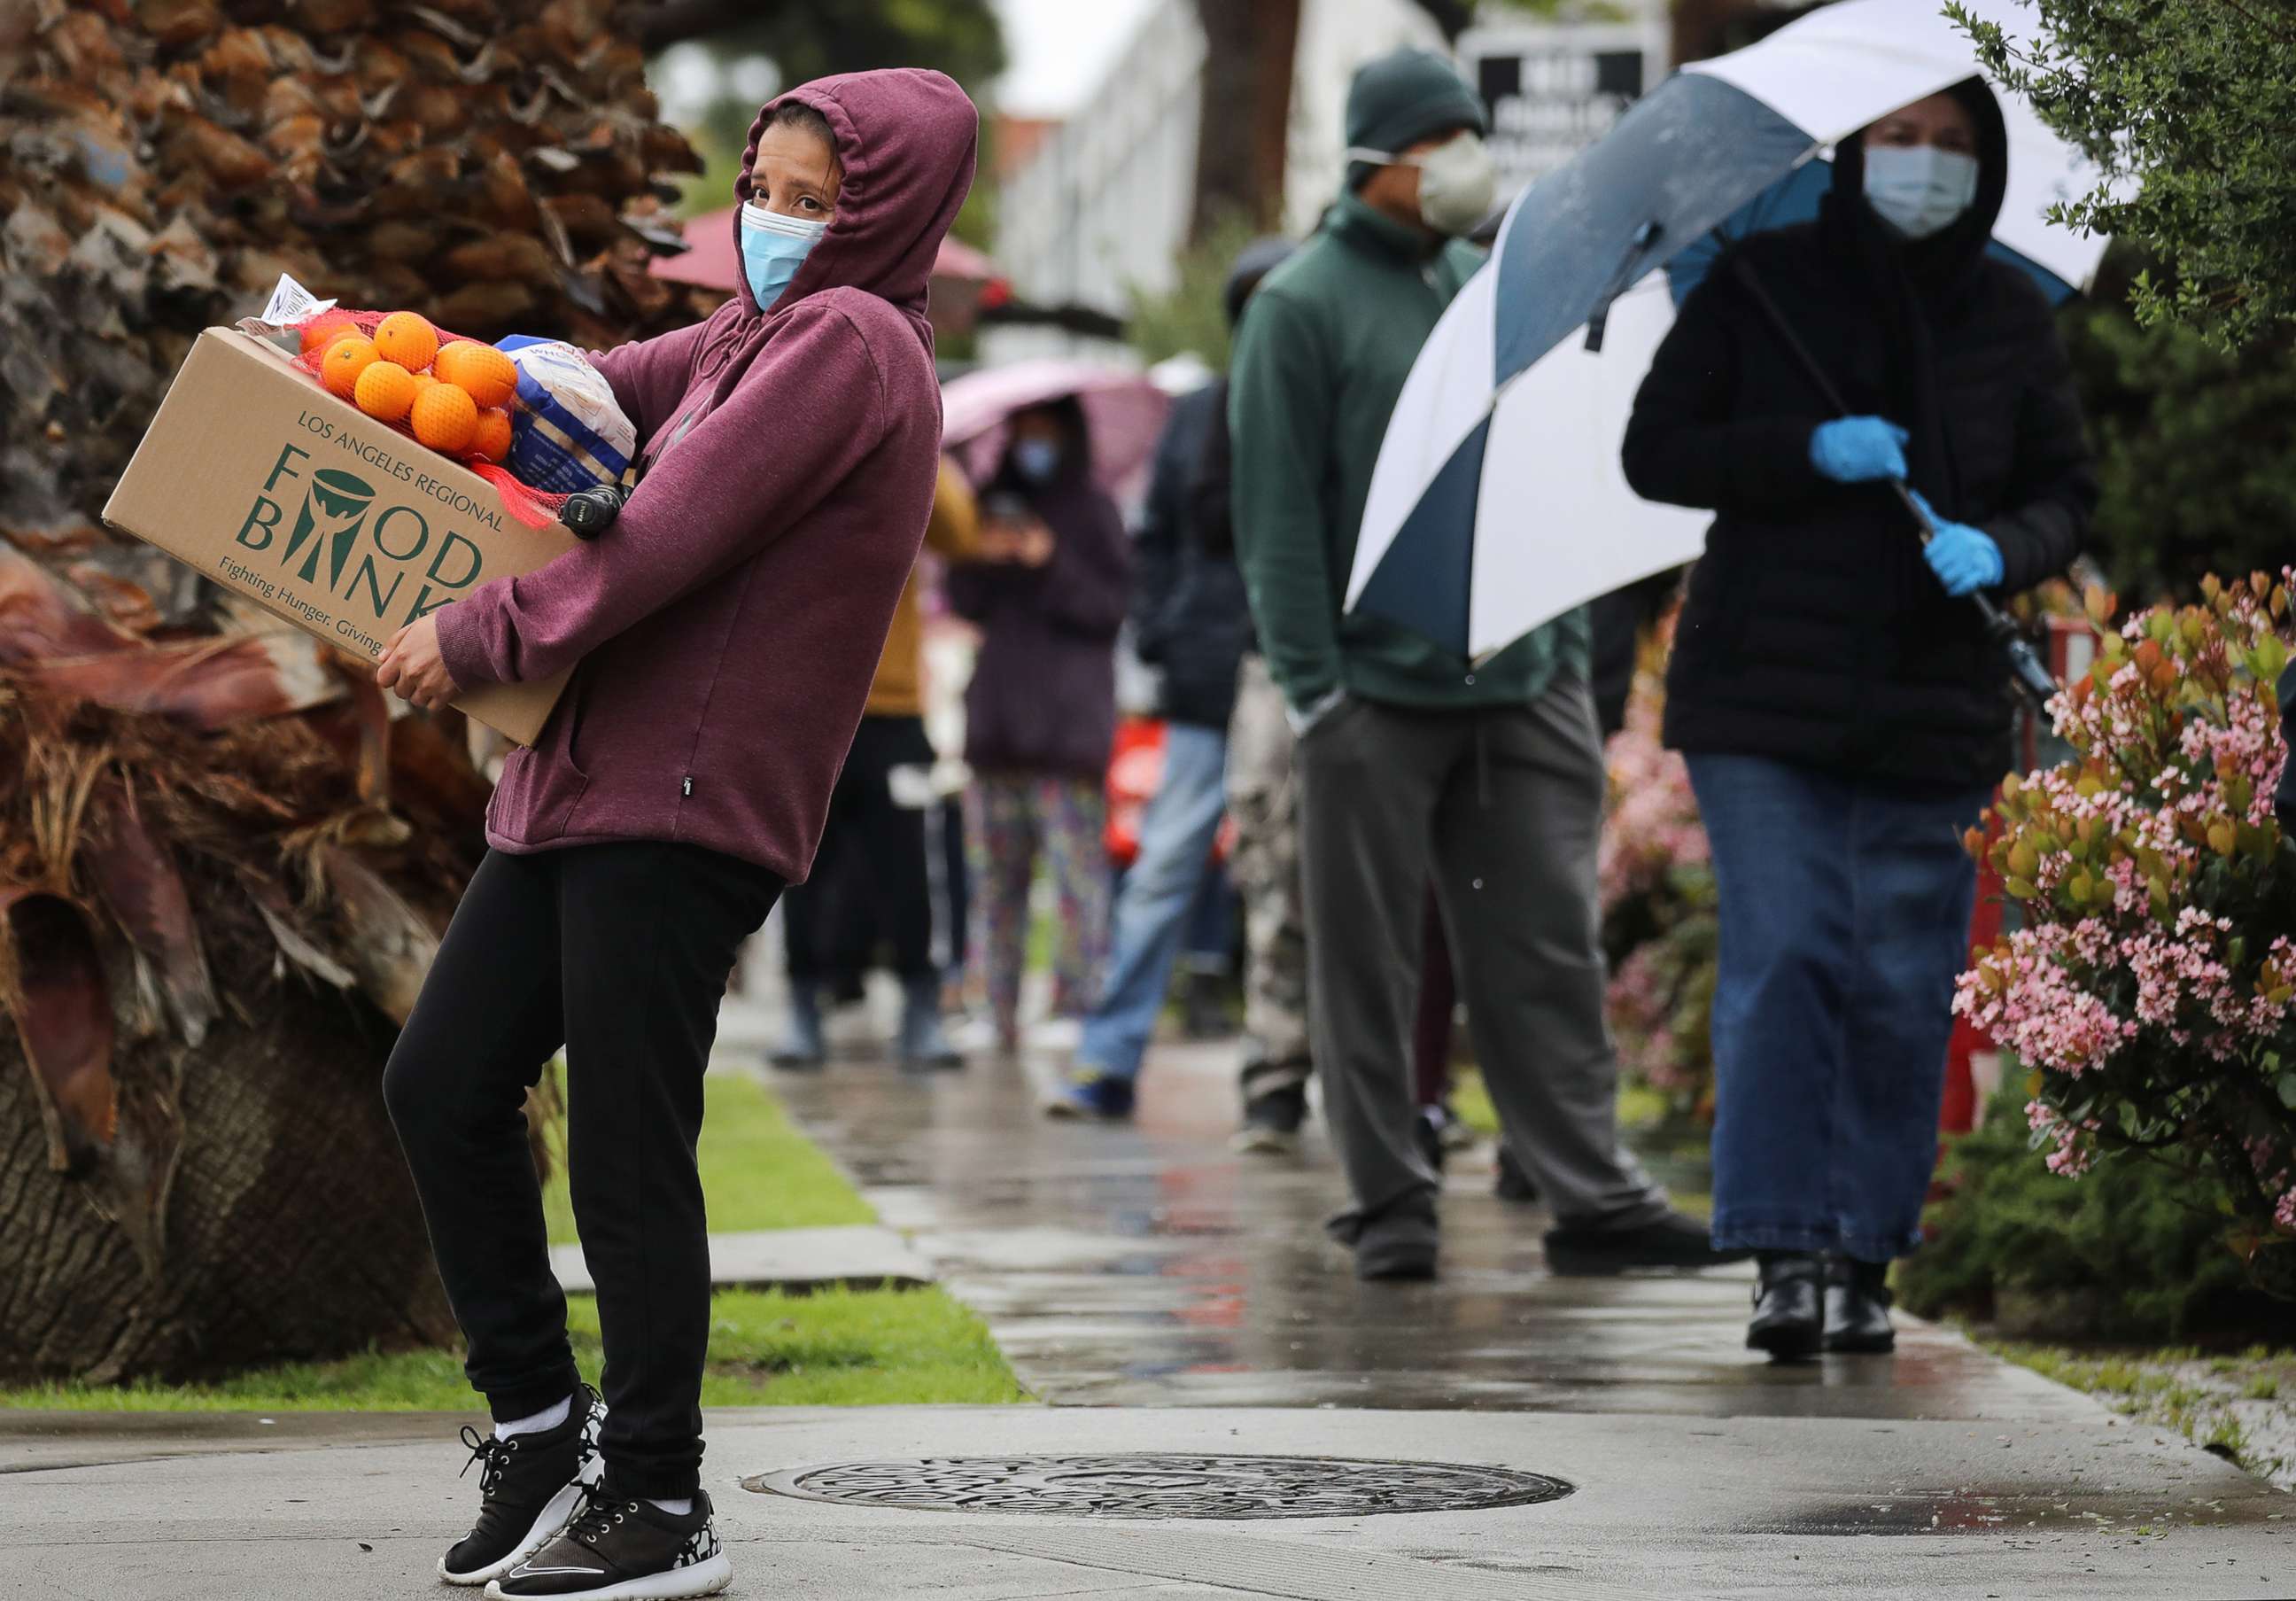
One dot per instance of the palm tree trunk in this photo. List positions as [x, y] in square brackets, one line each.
[1244, 124]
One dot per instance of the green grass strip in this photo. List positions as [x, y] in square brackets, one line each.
[833, 1348]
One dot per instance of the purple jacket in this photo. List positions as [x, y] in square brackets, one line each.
[729, 624]
[1042, 696]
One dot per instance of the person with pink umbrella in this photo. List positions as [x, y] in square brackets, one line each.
[1049, 594]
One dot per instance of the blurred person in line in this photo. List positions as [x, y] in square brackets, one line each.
[1262, 799]
[722, 638]
[1048, 594]
[1843, 716]
[1617, 622]
[1192, 621]
[1415, 766]
[875, 838]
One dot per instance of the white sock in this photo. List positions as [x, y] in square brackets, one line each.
[682, 1507]
[549, 1417]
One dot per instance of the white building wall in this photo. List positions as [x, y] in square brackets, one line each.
[1103, 205]
[1103, 208]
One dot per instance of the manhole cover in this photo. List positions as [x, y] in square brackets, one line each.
[1164, 1486]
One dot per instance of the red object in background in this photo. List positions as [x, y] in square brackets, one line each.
[1135, 768]
[2069, 649]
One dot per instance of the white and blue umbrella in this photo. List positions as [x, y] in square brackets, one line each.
[1497, 502]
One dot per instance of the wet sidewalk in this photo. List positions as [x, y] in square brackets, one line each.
[1151, 1266]
[1264, 1426]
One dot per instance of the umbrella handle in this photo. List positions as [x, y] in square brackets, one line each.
[2025, 666]
[1599, 318]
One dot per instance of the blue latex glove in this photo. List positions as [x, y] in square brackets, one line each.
[1859, 450]
[1965, 559]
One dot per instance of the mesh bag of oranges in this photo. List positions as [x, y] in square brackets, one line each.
[457, 396]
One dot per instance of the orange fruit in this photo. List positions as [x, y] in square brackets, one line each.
[490, 376]
[326, 328]
[491, 440]
[409, 338]
[445, 418]
[345, 358]
[384, 391]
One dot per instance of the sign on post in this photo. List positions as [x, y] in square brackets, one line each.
[1555, 88]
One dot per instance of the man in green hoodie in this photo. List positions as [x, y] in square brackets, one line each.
[1416, 766]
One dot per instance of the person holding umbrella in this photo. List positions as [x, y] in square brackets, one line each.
[1416, 764]
[1842, 711]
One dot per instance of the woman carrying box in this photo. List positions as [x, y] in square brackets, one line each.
[723, 636]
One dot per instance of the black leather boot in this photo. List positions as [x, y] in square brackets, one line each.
[1787, 1297]
[1857, 1306]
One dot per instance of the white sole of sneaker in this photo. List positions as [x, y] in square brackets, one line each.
[702, 1578]
[548, 1525]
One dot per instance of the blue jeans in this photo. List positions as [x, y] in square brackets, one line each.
[1845, 909]
[1152, 911]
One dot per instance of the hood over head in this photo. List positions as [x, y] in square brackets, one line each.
[1066, 411]
[1946, 255]
[906, 141]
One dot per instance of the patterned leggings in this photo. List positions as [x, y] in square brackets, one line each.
[1011, 818]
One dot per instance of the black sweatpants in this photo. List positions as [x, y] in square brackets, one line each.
[620, 953]
[871, 862]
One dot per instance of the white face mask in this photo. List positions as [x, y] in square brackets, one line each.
[1919, 190]
[1457, 183]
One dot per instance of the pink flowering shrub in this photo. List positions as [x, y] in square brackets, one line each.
[1659, 925]
[2150, 986]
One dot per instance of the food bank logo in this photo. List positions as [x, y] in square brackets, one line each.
[386, 565]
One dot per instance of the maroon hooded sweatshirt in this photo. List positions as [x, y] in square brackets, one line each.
[729, 624]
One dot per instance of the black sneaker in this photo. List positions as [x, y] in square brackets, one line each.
[1271, 1121]
[1670, 1243]
[626, 1550]
[529, 1488]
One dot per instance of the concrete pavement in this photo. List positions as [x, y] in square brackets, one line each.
[1176, 1299]
[359, 1508]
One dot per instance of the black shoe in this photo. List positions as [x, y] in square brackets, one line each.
[1401, 1243]
[623, 1550]
[1857, 1306]
[1672, 1241]
[1512, 1183]
[1786, 1322]
[529, 1488]
[1271, 1121]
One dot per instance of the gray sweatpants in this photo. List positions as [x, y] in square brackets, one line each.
[1500, 809]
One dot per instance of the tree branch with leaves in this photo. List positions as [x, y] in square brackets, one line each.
[2189, 109]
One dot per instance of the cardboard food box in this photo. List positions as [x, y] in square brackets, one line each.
[343, 525]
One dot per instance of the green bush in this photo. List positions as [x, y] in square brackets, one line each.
[2134, 1249]
[2196, 447]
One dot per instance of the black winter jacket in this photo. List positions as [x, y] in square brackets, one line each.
[1814, 631]
[1190, 616]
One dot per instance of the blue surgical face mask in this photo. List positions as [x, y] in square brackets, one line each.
[1037, 460]
[1919, 190]
[773, 248]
